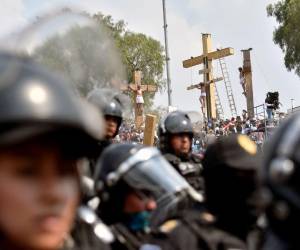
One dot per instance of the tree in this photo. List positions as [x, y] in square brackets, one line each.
[87, 56]
[138, 52]
[287, 34]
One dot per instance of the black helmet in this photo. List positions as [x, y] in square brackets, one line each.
[33, 102]
[108, 102]
[281, 178]
[176, 122]
[229, 169]
[124, 167]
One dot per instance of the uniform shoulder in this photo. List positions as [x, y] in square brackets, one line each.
[172, 158]
[196, 158]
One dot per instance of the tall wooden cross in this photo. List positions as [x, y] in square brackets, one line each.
[206, 59]
[133, 87]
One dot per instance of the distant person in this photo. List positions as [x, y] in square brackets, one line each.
[139, 100]
[202, 97]
[242, 80]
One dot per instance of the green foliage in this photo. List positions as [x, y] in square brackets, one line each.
[146, 54]
[80, 55]
[287, 34]
[138, 52]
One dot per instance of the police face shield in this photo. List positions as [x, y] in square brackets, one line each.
[150, 172]
[72, 45]
[156, 174]
[75, 45]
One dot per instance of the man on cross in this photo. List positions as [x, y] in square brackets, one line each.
[242, 80]
[139, 99]
[202, 97]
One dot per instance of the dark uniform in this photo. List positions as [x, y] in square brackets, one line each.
[126, 239]
[281, 192]
[194, 230]
[110, 105]
[230, 169]
[230, 166]
[127, 169]
[188, 165]
[61, 116]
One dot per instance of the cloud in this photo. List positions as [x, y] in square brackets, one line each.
[11, 16]
[233, 23]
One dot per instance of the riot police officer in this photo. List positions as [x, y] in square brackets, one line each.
[133, 182]
[281, 192]
[230, 169]
[109, 104]
[175, 141]
[230, 166]
[45, 129]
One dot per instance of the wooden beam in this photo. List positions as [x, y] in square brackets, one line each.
[210, 82]
[204, 71]
[145, 88]
[210, 56]
[149, 88]
[149, 131]
[220, 53]
[193, 61]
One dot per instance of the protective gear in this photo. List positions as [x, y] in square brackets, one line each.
[108, 103]
[188, 165]
[34, 102]
[190, 169]
[139, 221]
[176, 122]
[196, 230]
[125, 167]
[280, 176]
[230, 166]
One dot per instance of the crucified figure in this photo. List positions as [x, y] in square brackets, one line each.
[139, 100]
[242, 80]
[202, 97]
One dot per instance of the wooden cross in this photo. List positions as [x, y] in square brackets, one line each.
[196, 86]
[206, 59]
[133, 87]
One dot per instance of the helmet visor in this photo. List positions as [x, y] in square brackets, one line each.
[156, 176]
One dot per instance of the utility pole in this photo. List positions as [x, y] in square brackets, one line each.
[292, 101]
[167, 54]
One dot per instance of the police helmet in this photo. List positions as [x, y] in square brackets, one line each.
[230, 167]
[34, 102]
[125, 167]
[176, 122]
[108, 102]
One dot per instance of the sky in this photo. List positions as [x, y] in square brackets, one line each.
[240, 24]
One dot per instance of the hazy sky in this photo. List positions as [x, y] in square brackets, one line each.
[240, 24]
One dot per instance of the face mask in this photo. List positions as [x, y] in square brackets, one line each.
[138, 221]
